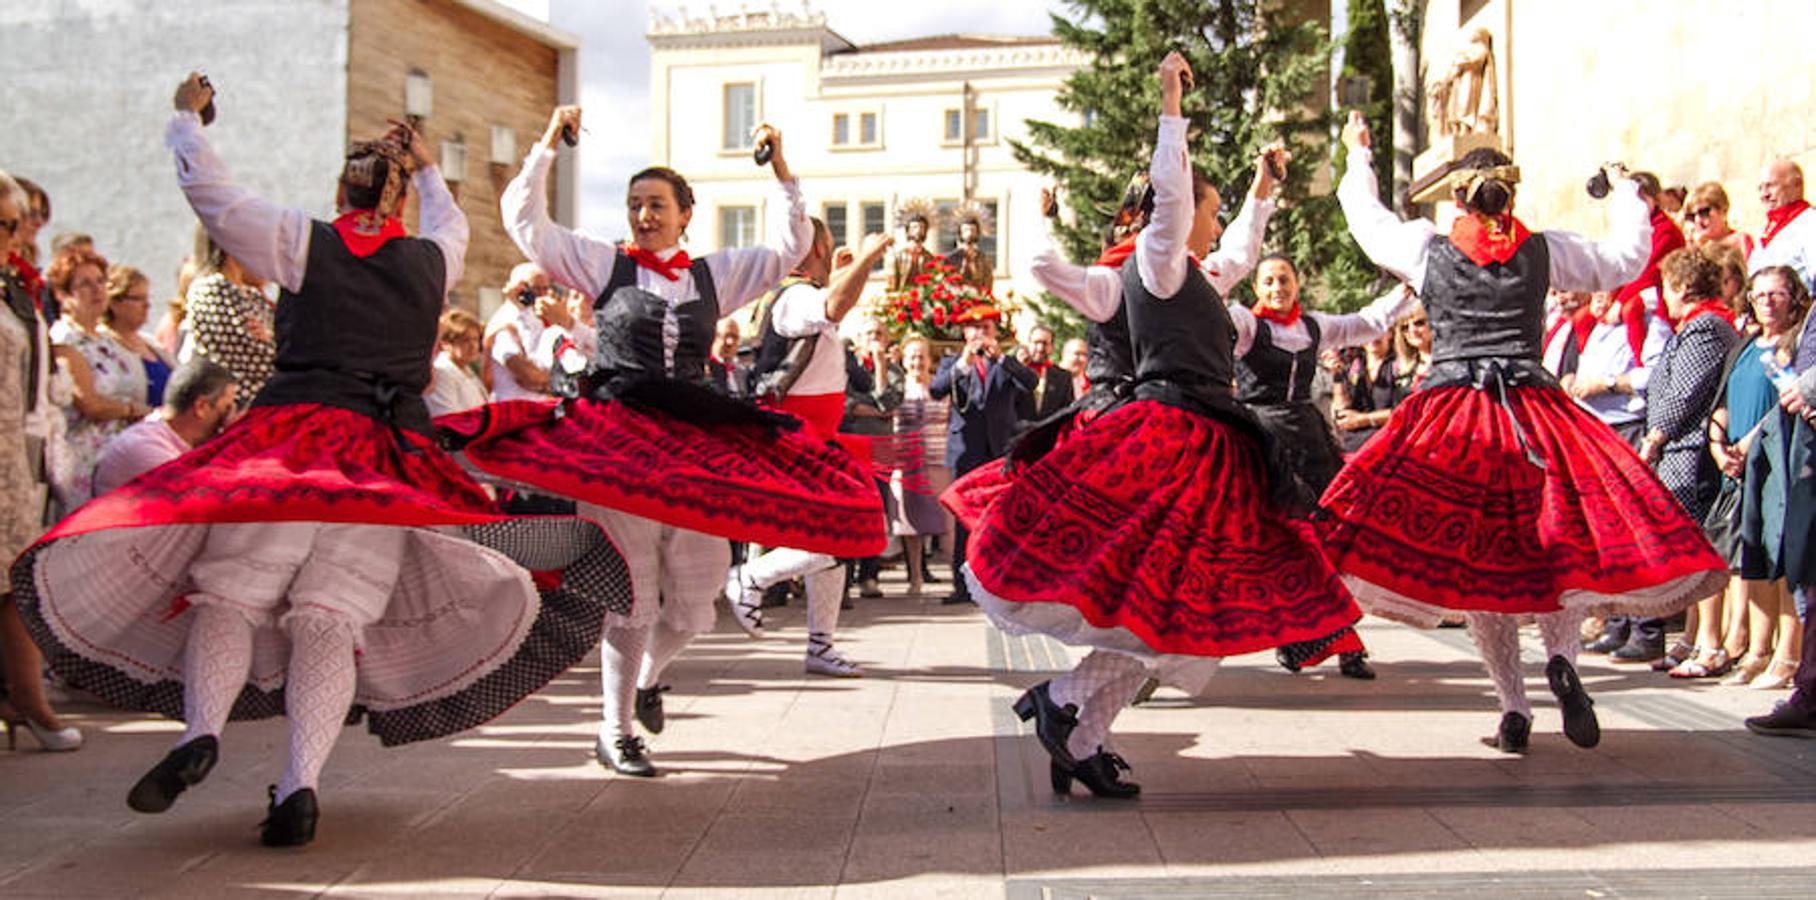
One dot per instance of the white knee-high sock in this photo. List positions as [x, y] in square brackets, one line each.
[620, 660]
[1100, 686]
[1497, 638]
[1562, 633]
[318, 688]
[784, 564]
[825, 591]
[665, 643]
[216, 662]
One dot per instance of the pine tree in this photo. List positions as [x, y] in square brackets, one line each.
[1256, 72]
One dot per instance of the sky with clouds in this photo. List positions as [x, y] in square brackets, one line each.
[614, 67]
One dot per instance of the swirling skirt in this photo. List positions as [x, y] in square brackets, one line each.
[1442, 511]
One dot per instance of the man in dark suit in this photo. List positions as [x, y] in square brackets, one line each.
[1053, 391]
[987, 391]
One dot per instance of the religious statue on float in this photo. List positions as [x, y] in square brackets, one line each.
[915, 217]
[1462, 100]
[973, 265]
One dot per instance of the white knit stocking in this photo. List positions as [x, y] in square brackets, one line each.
[1497, 638]
[1562, 633]
[216, 662]
[665, 643]
[620, 660]
[318, 688]
[825, 592]
[1100, 686]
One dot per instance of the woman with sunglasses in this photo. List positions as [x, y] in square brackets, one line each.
[1544, 510]
[1706, 219]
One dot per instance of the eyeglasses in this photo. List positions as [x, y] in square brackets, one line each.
[1705, 212]
[133, 298]
[1416, 323]
[1763, 296]
[11, 226]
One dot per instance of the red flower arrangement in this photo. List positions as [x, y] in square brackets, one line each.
[929, 303]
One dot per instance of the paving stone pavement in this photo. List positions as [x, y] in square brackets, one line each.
[916, 781]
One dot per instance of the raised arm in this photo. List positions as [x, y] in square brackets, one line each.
[1240, 248]
[743, 274]
[1399, 247]
[1160, 249]
[1095, 291]
[578, 261]
[269, 241]
[1579, 264]
[1366, 324]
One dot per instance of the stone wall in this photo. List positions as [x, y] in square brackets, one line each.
[88, 89]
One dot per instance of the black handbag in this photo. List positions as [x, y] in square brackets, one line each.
[1722, 525]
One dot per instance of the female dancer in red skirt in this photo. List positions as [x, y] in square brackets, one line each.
[1489, 492]
[670, 467]
[322, 554]
[1146, 534]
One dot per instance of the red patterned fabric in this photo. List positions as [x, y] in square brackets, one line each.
[1152, 519]
[739, 482]
[297, 463]
[1442, 508]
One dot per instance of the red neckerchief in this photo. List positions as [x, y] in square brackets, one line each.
[1116, 254]
[363, 232]
[1777, 219]
[670, 268]
[1040, 368]
[869, 363]
[1286, 319]
[1495, 240]
[1633, 313]
[29, 277]
[1712, 307]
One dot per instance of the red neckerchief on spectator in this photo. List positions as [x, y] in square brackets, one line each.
[1118, 253]
[1633, 312]
[1777, 219]
[1040, 368]
[1666, 237]
[869, 363]
[1495, 240]
[364, 232]
[670, 268]
[1286, 319]
[29, 277]
[1713, 307]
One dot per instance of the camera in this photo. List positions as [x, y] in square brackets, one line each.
[526, 296]
[763, 153]
[207, 112]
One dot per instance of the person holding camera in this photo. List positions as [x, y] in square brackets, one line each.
[670, 466]
[1545, 510]
[515, 368]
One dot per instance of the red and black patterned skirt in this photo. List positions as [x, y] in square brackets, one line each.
[1442, 511]
[744, 482]
[1152, 520]
[485, 611]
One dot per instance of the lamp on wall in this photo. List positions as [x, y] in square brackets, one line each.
[453, 161]
[504, 146]
[419, 94]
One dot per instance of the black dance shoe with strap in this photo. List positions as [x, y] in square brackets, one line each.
[186, 765]
[1514, 734]
[649, 708]
[290, 823]
[1580, 724]
[1100, 772]
[626, 756]
[1053, 723]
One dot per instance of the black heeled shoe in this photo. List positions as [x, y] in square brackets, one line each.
[1052, 722]
[1580, 724]
[1514, 734]
[182, 767]
[626, 756]
[1354, 664]
[290, 823]
[649, 708]
[1099, 773]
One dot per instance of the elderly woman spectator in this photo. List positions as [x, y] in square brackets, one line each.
[25, 428]
[128, 308]
[109, 379]
[455, 385]
[230, 318]
[1706, 220]
[920, 455]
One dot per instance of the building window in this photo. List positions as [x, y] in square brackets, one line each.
[948, 237]
[835, 217]
[874, 223]
[841, 129]
[867, 130]
[980, 126]
[955, 122]
[737, 226]
[740, 115]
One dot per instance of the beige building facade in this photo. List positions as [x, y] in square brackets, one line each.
[1692, 90]
[865, 127]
